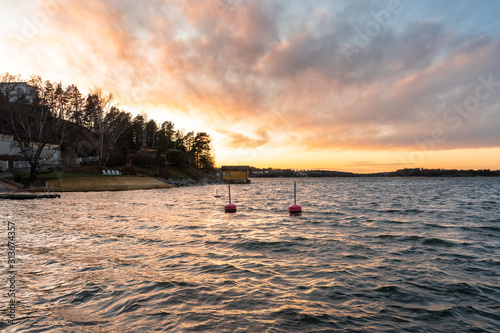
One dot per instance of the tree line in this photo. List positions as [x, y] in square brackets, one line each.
[407, 172]
[92, 125]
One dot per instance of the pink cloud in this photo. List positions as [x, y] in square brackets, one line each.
[246, 64]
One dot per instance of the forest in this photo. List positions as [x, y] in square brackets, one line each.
[47, 114]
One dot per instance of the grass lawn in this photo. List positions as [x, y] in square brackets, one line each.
[56, 175]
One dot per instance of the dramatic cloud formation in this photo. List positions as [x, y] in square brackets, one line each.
[388, 75]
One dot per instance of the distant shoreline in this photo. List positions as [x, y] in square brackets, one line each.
[416, 172]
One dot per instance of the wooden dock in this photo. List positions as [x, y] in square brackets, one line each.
[28, 196]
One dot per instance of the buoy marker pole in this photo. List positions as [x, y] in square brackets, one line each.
[295, 209]
[230, 207]
[294, 193]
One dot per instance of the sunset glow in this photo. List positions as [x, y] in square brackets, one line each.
[355, 86]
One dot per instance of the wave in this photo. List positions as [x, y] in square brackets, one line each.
[292, 318]
[438, 242]
[257, 245]
[403, 211]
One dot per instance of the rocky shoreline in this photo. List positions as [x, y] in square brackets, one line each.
[179, 181]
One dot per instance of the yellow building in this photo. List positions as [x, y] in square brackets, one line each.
[236, 174]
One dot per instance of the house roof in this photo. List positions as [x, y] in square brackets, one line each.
[235, 168]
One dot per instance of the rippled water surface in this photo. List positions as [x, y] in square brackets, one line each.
[366, 255]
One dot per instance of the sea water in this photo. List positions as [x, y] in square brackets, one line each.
[366, 255]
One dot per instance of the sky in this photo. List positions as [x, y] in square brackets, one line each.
[361, 86]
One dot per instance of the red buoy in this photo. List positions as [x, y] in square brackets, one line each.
[295, 209]
[230, 207]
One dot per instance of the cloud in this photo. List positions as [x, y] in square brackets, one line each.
[277, 72]
[238, 140]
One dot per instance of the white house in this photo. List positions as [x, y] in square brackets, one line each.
[18, 92]
[50, 154]
[6, 144]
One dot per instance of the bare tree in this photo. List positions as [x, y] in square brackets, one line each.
[144, 136]
[115, 123]
[34, 127]
[102, 107]
[109, 123]
[151, 129]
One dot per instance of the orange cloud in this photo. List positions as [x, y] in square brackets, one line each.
[238, 140]
[261, 78]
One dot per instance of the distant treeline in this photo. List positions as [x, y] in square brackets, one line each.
[413, 172]
[421, 172]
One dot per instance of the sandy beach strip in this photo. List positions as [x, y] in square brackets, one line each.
[105, 183]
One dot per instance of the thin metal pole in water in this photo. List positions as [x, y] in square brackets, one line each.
[294, 193]
[229, 187]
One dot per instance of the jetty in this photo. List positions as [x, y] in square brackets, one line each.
[28, 196]
[11, 192]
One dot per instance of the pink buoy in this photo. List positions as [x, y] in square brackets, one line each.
[295, 209]
[230, 207]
